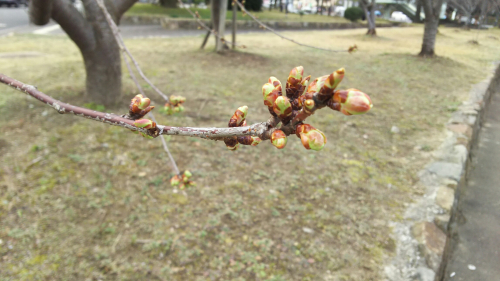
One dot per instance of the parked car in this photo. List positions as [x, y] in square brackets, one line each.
[10, 3]
[400, 16]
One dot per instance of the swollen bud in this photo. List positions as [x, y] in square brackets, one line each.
[178, 109]
[274, 81]
[255, 141]
[282, 107]
[175, 180]
[352, 101]
[175, 100]
[279, 139]
[238, 117]
[145, 124]
[311, 137]
[295, 76]
[231, 143]
[334, 79]
[270, 93]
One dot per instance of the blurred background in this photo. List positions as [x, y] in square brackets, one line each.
[81, 200]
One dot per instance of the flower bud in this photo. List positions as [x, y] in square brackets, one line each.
[295, 76]
[178, 109]
[282, 107]
[145, 124]
[238, 117]
[316, 85]
[175, 180]
[352, 101]
[175, 100]
[255, 141]
[249, 140]
[334, 79]
[270, 93]
[139, 106]
[231, 143]
[167, 109]
[187, 174]
[279, 139]
[308, 105]
[274, 81]
[311, 137]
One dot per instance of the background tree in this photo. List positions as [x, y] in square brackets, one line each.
[369, 9]
[93, 36]
[432, 10]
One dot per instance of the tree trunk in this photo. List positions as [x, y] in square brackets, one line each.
[370, 17]
[419, 10]
[219, 9]
[429, 41]
[103, 67]
[93, 36]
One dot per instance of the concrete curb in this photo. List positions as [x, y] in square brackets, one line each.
[191, 24]
[424, 237]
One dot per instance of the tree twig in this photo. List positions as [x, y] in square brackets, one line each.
[279, 34]
[258, 129]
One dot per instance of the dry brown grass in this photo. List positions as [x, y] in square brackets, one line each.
[97, 202]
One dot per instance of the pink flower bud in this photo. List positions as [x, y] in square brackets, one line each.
[352, 101]
[175, 180]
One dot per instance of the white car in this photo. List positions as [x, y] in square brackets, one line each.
[400, 16]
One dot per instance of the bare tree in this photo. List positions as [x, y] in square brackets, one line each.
[466, 8]
[369, 9]
[432, 10]
[93, 36]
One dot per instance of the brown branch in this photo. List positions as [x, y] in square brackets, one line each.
[258, 129]
[279, 34]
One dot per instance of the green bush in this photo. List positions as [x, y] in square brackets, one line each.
[353, 13]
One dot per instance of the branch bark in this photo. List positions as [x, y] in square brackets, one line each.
[258, 129]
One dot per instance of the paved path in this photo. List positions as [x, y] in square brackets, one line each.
[476, 254]
[16, 20]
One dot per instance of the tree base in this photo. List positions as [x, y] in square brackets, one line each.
[371, 32]
[427, 54]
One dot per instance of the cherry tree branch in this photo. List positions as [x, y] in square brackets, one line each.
[212, 133]
[279, 34]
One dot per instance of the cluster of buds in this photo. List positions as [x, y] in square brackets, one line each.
[182, 181]
[239, 120]
[299, 100]
[174, 105]
[139, 106]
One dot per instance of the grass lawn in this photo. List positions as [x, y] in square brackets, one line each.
[141, 9]
[80, 200]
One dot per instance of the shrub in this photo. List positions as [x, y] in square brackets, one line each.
[353, 13]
